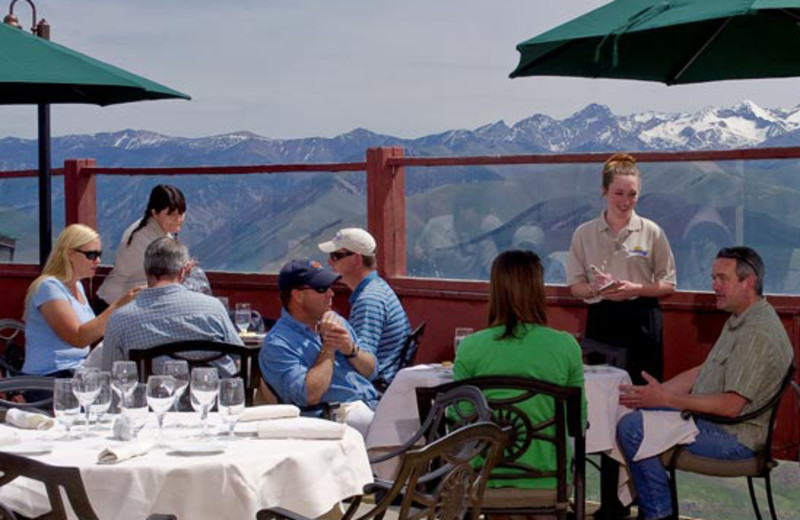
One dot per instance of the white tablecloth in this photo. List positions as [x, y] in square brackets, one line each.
[306, 476]
[397, 419]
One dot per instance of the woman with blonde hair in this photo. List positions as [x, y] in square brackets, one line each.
[519, 343]
[621, 264]
[59, 323]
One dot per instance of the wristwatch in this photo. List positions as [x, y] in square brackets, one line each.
[354, 353]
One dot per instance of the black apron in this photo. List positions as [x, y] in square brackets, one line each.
[634, 325]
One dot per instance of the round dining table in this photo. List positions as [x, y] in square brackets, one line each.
[196, 477]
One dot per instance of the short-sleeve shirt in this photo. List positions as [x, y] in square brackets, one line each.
[291, 349]
[639, 253]
[750, 358]
[380, 323]
[128, 272]
[45, 352]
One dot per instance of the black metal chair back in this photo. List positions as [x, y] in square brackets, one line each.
[19, 385]
[507, 397]
[188, 351]
[54, 478]
[439, 481]
[403, 359]
[12, 347]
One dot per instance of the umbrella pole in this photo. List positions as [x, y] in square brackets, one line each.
[45, 191]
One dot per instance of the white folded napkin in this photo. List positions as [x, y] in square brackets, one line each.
[664, 429]
[269, 411]
[8, 436]
[28, 420]
[300, 428]
[124, 451]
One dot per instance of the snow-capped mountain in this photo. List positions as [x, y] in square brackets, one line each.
[592, 129]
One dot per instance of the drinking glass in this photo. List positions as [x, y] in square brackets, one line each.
[179, 369]
[86, 385]
[102, 403]
[231, 402]
[66, 406]
[124, 378]
[204, 388]
[160, 396]
[461, 333]
[134, 408]
[242, 316]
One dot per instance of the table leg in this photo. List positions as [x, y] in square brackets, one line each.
[610, 506]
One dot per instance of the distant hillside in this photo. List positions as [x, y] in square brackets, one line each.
[457, 217]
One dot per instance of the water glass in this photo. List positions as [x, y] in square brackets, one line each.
[241, 316]
[160, 396]
[135, 409]
[461, 333]
[204, 388]
[231, 402]
[124, 378]
[102, 402]
[86, 386]
[178, 369]
[66, 406]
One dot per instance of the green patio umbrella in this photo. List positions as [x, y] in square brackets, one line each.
[671, 41]
[36, 71]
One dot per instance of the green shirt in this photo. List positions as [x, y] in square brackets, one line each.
[750, 358]
[540, 352]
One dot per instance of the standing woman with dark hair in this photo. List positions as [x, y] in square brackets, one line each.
[620, 264]
[163, 217]
[519, 343]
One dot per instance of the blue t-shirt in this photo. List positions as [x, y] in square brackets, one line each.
[45, 352]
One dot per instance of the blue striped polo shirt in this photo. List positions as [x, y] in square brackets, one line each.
[380, 322]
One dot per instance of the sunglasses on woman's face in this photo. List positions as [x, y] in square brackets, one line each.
[338, 255]
[90, 255]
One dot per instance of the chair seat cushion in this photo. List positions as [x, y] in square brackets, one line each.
[518, 498]
[687, 461]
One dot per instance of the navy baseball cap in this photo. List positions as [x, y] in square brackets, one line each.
[299, 273]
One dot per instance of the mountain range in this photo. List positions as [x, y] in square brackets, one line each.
[256, 222]
[593, 129]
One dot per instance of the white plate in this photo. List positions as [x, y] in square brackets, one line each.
[31, 448]
[205, 448]
[246, 428]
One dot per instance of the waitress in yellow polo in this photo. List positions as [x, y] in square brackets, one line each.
[621, 264]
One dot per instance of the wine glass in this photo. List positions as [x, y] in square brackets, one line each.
[204, 389]
[160, 396]
[242, 317]
[86, 385]
[179, 369]
[231, 402]
[124, 377]
[66, 406]
[102, 403]
[135, 409]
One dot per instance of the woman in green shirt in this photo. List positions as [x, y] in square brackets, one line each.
[518, 343]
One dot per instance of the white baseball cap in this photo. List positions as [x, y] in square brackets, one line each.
[356, 240]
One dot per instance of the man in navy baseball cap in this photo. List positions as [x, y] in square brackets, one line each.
[312, 355]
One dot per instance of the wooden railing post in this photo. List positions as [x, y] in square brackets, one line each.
[386, 209]
[80, 192]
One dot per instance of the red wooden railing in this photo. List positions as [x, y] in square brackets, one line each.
[691, 321]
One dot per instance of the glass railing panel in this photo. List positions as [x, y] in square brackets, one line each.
[246, 223]
[19, 218]
[460, 217]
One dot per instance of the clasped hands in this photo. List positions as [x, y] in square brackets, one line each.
[651, 395]
[335, 335]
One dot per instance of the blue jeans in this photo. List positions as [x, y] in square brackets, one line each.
[649, 476]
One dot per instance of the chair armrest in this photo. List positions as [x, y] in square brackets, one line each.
[279, 513]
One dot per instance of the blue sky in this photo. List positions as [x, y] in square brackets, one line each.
[298, 68]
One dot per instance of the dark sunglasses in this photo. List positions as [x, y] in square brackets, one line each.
[90, 255]
[338, 255]
[321, 290]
